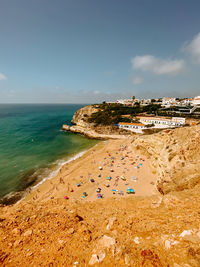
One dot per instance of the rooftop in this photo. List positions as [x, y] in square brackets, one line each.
[131, 123]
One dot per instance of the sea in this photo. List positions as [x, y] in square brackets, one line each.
[32, 145]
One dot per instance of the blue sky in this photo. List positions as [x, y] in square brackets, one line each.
[83, 51]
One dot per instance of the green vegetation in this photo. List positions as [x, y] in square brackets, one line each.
[109, 114]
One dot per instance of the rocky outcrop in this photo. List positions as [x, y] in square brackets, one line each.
[81, 115]
[91, 133]
[82, 126]
[175, 157]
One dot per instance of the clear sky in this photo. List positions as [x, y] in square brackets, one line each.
[83, 51]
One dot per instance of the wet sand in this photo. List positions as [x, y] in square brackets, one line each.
[89, 174]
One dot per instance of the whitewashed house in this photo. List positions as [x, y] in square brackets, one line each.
[167, 101]
[161, 122]
[134, 127]
[196, 101]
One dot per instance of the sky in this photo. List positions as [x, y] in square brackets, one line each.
[88, 51]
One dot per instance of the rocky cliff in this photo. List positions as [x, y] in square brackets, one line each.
[82, 126]
[175, 157]
[81, 115]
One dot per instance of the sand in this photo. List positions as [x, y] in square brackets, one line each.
[112, 158]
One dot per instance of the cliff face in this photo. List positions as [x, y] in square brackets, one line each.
[81, 125]
[175, 157]
[80, 117]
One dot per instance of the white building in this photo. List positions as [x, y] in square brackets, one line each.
[167, 102]
[134, 127]
[196, 101]
[125, 101]
[161, 122]
[187, 101]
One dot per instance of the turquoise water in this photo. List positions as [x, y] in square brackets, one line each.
[32, 144]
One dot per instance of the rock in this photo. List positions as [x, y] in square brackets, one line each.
[111, 222]
[186, 232]
[136, 240]
[87, 238]
[29, 254]
[192, 239]
[127, 259]
[198, 234]
[101, 256]
[97, 258]
[16, 231]
[106, 241]
[78, 218]
[65, 127]
[28, 232]
[70, 231]
[60, 241]
[116, 250]
[17, 243]
[94, 259]
[12, 198]
[167, 244]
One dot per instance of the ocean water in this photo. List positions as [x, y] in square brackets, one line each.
[32, 145]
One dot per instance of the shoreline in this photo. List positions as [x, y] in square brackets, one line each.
[15, 197]
[92, 134]
[85, 168]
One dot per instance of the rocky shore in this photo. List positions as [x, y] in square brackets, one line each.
[82, 126]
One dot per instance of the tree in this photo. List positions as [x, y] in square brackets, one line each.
[133, 97]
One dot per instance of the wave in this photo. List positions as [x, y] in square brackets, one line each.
[39, 177]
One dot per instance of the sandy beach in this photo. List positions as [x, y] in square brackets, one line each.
[109, 169]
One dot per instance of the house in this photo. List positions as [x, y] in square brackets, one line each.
[162, 122]
[167, 102]
[134, 127]
[196, 101]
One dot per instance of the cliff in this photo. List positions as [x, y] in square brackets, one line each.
[175, 157]
[82, 126]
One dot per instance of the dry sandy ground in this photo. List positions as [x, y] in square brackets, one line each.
[144, 229]
[117, 159]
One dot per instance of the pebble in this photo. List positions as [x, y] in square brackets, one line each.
[136, 240]
[70, 231]
[17, 243]
[111, 222]
[107, 241]
[97, 258]
[16, 231]
[28, 232]
[167, 244]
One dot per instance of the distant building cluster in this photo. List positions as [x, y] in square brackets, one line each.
[153, 122]
[165, 101]
[181, 107]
